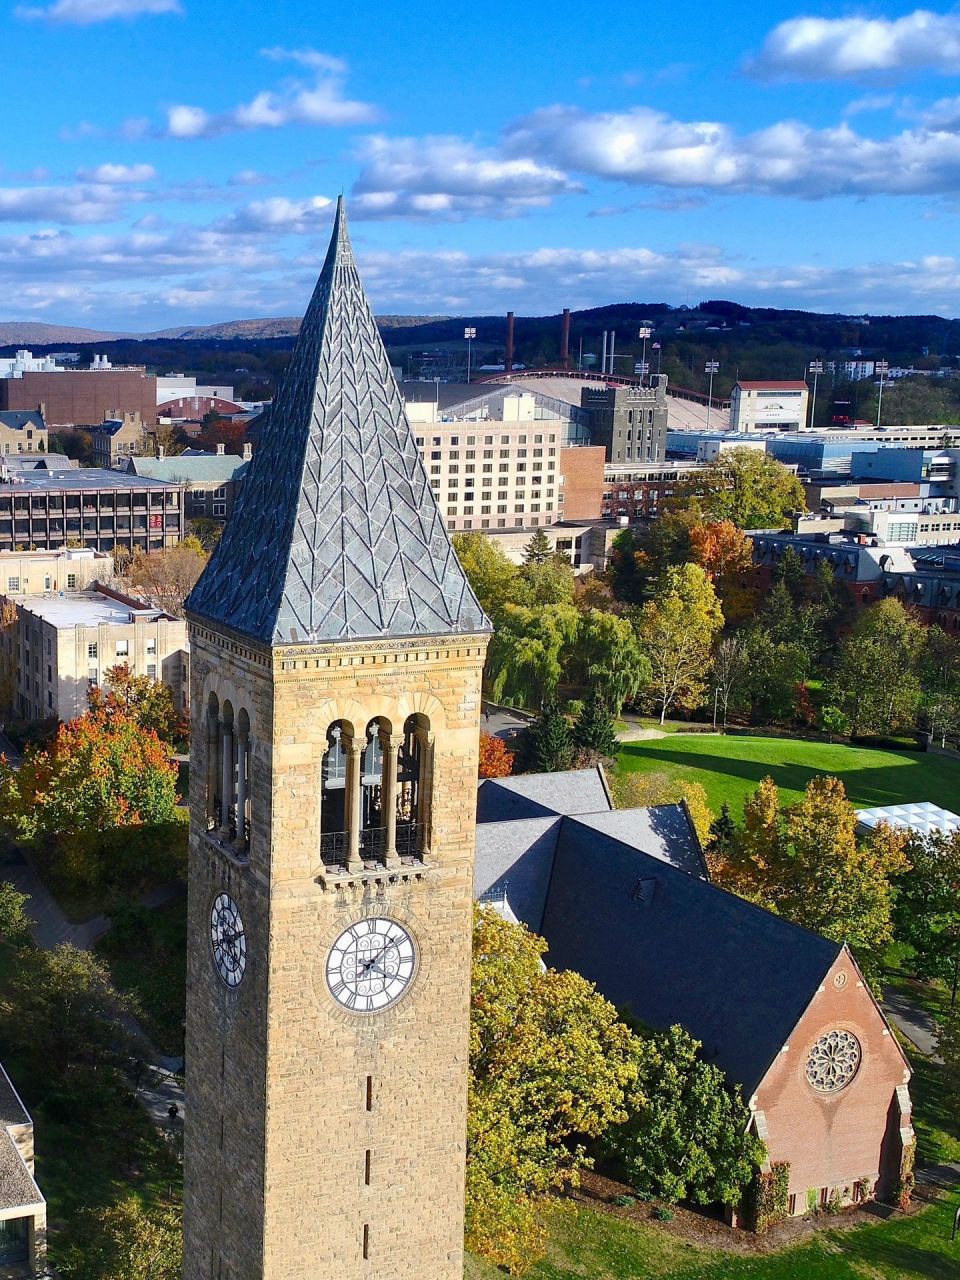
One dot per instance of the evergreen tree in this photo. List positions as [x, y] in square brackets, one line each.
[538, 549]
[552, 743]
[593, 730]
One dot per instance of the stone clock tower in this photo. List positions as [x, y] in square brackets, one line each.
[336, 652]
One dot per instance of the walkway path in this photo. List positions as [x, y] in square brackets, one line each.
[915, 1023]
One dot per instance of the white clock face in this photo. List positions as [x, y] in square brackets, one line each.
[371, 965]
[228, 940]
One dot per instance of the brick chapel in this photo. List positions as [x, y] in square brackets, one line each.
[337, 651]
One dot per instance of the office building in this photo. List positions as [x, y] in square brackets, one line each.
[765, 406]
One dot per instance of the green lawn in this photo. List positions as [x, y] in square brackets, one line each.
[730, 767]
[600, 1246]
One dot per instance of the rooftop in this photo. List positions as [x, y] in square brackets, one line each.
[760, 385]
[86, 609]
[212, 467]
[923, 817]
[83, 478]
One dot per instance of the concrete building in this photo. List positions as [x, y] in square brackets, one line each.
[623, 898]
[629, 422]
[63, 644]
[209, 481]
[492, 473]
[179, 386]
[82, 397]
[765, 406]
[26, 362]
[23, 1210]
[22, 432]
[196, 408]
[98, 509]
[30, 572]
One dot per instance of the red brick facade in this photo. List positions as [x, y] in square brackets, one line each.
[83, 398]
[582, 471]
[833, 1140]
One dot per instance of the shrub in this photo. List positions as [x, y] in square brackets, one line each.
[767, 1199]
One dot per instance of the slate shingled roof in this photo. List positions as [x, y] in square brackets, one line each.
[336, 534]
[621, 897]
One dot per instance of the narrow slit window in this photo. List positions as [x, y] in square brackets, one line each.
[366, 1240]
[369, 1093]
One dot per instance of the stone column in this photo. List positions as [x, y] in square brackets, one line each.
[213, 739]
[351, 801]
[391, 743]
[243, 753]
[425, 789]
[226, 785]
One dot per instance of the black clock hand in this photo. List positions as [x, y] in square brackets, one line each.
[379, 956]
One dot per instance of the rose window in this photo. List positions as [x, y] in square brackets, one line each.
[833, 1061]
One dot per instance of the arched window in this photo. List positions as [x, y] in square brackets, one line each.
[241, 831]
[214, 809]
[411, 786]
[228, 772]
[372, 817]
[333, 805]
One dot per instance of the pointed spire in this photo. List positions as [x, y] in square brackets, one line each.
[335, 533]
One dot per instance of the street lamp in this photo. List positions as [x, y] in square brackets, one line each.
[469, 333]
[880, 367]
[711, 367]
[644, 333]
[816, 368]
[656, 348]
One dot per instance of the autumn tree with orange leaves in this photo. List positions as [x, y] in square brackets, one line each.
[496, 761]
[103, 797]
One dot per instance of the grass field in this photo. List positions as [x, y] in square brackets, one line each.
[603, 1247]
[730, 767]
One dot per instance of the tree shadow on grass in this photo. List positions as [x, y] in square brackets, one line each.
[906, 778]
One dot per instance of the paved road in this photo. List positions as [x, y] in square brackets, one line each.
[503, 722]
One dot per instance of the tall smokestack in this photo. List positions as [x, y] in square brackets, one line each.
[613, 341]
[565, 339]
[603, 359]
[508, 353]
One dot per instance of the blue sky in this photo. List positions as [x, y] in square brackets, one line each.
[174, 161]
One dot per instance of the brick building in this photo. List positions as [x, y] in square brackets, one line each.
[623, 897]
[83, 397]
[630, 422]
[634, 493]
[581, 482]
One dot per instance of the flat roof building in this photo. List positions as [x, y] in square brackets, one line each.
[62, 645]
[762, 405]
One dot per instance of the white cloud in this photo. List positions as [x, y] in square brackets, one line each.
[808, 48]
[85, 12]
[449, 177]
[279, 215]
[647, 147]
[118, 173]
[68, 205]
[320, 101]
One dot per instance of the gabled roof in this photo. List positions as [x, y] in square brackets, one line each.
[211, 468]
[336, 533]
[533, 795]
[17, 419]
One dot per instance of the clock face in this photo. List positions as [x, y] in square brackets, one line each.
[371, 965]
[228, 940]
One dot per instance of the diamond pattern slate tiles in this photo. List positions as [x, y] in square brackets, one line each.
[335, 533]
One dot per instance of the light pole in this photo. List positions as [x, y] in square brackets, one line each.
[469, 334]
[711, 367]
[656, 348]
[816, 368]
[880, 367]
[644, 333]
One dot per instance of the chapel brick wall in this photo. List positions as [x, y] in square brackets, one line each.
[295, 1066]
[832, 1140]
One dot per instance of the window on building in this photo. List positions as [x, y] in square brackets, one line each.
[152, 645]
[13, 584]
[435, 485]
[488, 440]
[488, 453]
[152, 670]
[92, 650]
[71, 581]
[199, 495]
[454, 468]
[123, 648]
[435, 456]
[487, 468]
[219, 508]
[502, 510]
[434, 471]
[92, 676]
[454, 440]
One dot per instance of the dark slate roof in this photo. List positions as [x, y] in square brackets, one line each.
[336, 533]
[663, 831]
[18, 1190]
[532, 795]
[670, 947]
[514, 863]
[17, 419]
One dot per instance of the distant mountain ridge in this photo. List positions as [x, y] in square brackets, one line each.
[36, 333]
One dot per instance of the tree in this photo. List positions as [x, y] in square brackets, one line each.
[229, 432]
[773, 671]
[549, 1065]
[722, 551]
[610, 659]
[687, 1136]
[128, 1242]
[751, 489]
[529, 651]
[104, 782]
[876, 682]
[545, 582]
[836, 723]
[939, 675]
[496, 761]
[927, 912]
[141, 698]
[628, 568]
[538, 550]
[641, 789]
[677, 629]
[670, 540]
[169, 576]
[594, 734]
[61, 1012]
[806, 863]
[791, 573]
[728, 667]
[948, 1048]
[551, 740]
[14, 921]
[490, 572]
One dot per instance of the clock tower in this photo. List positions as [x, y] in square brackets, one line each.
[336, 658]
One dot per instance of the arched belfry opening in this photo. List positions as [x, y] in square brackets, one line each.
[228, 775]
[374, 792]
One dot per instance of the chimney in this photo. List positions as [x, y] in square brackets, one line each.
[603, 359]
[613, 340]
[221, 450]
[508, 353]
[247, 451]
[161, 452]
[565, 339]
